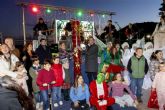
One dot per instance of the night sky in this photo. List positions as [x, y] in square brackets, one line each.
[127, 11]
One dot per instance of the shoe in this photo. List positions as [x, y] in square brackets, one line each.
[41, 105]
[139, 100]
[55, 105]
[37, 106]
[61, 103]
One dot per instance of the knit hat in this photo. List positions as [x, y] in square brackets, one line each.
[124, 45]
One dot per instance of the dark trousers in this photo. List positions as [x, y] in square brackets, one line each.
[65, 93]
[82, 105]
[92, 76]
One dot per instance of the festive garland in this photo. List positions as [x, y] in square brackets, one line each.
[76, 42]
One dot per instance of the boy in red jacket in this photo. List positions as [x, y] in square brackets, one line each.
[59, 77]
[45, 81]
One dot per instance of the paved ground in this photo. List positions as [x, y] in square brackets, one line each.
[145, 98]
[142, 106]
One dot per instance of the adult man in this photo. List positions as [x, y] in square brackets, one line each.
[43, 51]
[40, 28]
[10, 43]
[91, 60]
[110, 30]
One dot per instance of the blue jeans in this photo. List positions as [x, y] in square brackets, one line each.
[136, 86]
[37, 97]
[57, 94]
[46, 99]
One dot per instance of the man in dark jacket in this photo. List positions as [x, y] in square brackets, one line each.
[91, 60]
[43, 51]
[40, 26]
[137, 67]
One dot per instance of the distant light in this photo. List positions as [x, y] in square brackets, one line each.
[64, 11]
[35, 9]
[103, 16]
[92, 14]
[79, 14]
[148, 36]
[48, 11]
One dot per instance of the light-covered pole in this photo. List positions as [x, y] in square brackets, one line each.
[23, 24]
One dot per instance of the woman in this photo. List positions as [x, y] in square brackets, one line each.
[156, 58]
[116, 56]
[79, 94]
[7, 62]
[13, 97]
[26, 58]
[158, 34]
[105, 54]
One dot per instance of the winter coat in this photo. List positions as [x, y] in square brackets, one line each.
[59, 74]
[43, 54]
[91, 60]
[9, 100]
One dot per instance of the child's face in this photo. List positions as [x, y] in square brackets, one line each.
[63, 47]
[20, 68]
[36, 62]
[162, 67]
[80, 80]
[139, 52]
[159, 55]
[118, 77]
[56, 61]
[47, 66]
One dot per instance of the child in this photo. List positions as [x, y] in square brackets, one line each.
[19, 67]
[69, 76]
[159, 86]
[59, 78]
[79, 94]
[118, 86]
[33, 71]
[46, 82]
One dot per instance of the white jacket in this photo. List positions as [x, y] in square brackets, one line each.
[5, 66]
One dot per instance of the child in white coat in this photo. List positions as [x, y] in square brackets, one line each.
[159, 86]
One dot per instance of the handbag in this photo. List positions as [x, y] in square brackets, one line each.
[153, 100]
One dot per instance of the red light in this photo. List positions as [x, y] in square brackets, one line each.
[35, 9]
[92, 14]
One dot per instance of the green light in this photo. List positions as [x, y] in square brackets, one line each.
[48, 11]
[103, 16]
[79, 14]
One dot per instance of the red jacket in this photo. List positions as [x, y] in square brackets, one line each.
[94, 97]
[58, 73]
[45, 76]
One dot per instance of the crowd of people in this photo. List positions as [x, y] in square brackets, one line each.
[111, 78]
